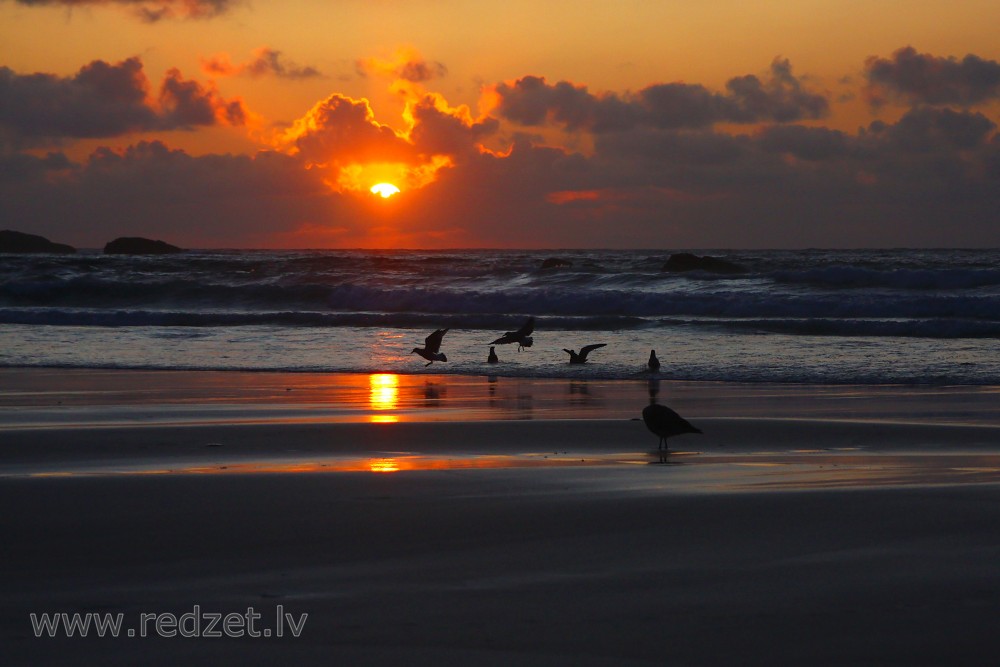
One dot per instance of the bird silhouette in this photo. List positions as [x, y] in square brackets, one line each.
[492, 359]
[431, 351]
[581, 358]
[665, 423]
[653, 363]
[522, 336]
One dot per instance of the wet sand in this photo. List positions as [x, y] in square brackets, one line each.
[809, 525]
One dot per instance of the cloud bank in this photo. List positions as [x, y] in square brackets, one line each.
[673, 165]
[921, 78]
[265, 62]
[106, 100]
[149, 11]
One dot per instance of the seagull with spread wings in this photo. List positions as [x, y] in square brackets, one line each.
[581, 357]
[431, 351]
[522, 336]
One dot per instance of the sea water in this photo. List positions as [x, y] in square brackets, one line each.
[815, 316]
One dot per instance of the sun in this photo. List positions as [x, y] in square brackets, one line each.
[384, 190]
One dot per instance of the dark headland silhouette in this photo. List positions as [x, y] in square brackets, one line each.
[19, 242]
[136, 245]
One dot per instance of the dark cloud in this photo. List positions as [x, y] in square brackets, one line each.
[101, 100]
[779, 98]
[418, 71]
[105, 100]
[406, 64]
[929, 129]
[438, 132]
[22, 167]
[805, 143]
[922, 78]
[266, 62]
[228, 200]
[150, 10]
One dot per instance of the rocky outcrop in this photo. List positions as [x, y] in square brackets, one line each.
[685, 261]
[136, 245]
[19, 242]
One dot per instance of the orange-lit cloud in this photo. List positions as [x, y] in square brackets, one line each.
[151, 11]
[341, 136]
[406, 64]
[265, 62]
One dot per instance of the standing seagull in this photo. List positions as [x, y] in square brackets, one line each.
[432, 346]
[493, 358]
[665, 423]
[522, 336]
[653, 363]
[581, 358]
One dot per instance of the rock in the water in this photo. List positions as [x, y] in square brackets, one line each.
[555, 263]
[19, 242]
[136, 245]
[685, 261]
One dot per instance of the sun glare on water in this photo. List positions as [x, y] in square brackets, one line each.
[384, 190]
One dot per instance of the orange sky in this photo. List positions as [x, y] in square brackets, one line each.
[222, 123]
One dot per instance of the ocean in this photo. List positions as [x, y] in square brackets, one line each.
[809, 316]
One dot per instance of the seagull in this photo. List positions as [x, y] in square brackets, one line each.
[492, 359]
[653, 363]
[665, 423]
[581, 358]
[432, 346]
[522, 336]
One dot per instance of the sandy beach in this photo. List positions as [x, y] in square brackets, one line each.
[456, 520]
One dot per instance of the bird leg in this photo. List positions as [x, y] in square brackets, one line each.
[428, 364]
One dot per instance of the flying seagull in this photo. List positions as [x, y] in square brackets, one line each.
[581, 358]
[522, 336]
[653, 363]
[665, 423]
[432, 346]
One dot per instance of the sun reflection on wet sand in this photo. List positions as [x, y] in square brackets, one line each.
[383, 395]
[384, 465]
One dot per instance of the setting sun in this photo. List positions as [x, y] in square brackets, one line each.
[384, 190]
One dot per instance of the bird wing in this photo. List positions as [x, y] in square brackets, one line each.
[516, 336]
[587, 349]
[526, 330]
[433, 342]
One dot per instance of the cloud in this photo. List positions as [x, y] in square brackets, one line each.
[228, 200]
[406, 64]
[150, 11]
[805, 143]
[438, 129]
[922, 78]
[266, 62]
[928, 129]
[340, 130]
[748, 99]
[106, 100]
[671, 165]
